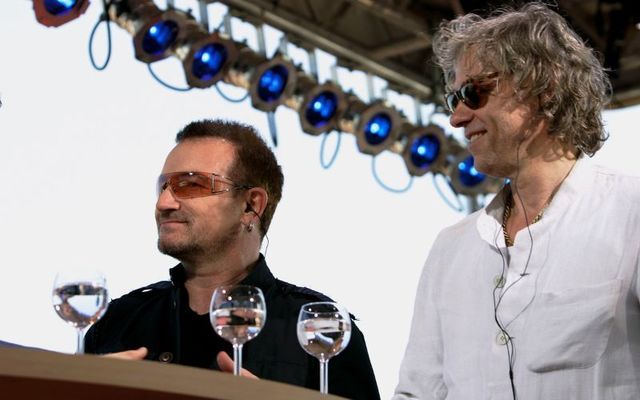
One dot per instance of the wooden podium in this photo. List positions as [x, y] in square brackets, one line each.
[27, 374]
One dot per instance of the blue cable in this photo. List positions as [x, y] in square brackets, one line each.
[335, 152]
[227, 98]
[103, 18]
[384, 186]
[460, 207]
[165, 84]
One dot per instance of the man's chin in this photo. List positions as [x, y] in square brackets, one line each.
[175, 250]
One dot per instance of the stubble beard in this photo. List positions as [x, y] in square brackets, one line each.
[189, 249]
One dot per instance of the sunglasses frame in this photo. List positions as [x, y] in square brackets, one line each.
[165, 181]
[481, 86]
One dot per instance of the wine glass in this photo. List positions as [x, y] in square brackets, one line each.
[80, 298]
[324, 330]
[237, 314]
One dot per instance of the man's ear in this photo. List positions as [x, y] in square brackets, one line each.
[256, 199]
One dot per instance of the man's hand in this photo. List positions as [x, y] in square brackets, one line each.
[138, 354]
[226, 365]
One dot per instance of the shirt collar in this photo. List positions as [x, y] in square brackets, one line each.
[259, 276]
[489, 219]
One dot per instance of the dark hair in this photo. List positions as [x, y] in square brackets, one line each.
[254, 165]
[535, 48]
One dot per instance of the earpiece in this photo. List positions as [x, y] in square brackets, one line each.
[250, 209]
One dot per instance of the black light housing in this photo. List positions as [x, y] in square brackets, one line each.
[378, 127]
[154, 31]
[53, 13]
[272, 82]
[321, 107]
[467, 180]
[206, 57]
[425, 150]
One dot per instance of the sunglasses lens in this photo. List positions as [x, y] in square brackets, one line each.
[161, 185]
[186, 185]
[469, 93]
[452, 101]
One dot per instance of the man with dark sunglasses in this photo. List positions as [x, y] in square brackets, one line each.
[536, 296]
[217, 194]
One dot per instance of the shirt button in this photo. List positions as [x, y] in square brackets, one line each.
[502, 338]
[499, 281]
[165, 357]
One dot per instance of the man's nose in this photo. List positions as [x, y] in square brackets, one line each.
[167, 200]
[461, 115]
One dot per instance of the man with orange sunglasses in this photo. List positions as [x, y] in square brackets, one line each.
[217, 194]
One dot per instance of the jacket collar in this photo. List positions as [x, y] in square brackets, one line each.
[259, 276]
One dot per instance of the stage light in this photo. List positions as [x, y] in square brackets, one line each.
[378, 127]
[321, 108]
[425, 150]
[272, 82]
[53, 13]
[467, 180]
[205, 57]
[154, 31]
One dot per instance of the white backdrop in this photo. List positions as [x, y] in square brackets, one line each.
[80, 153]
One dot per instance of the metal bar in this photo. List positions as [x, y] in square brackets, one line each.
[283, 46]
[417, 104]
[334, 74]
[204, 14]
[273, 129]
[390, 15]
[370, 89]
[402, 47]
[226, 22]
[313, 63]
[262, 45]
[411, 83]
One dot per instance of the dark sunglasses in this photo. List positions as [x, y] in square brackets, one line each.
[189, 185]
[473, 93]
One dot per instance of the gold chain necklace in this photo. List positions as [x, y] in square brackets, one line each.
[508, 205]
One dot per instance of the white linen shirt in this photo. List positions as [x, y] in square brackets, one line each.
[574, 317]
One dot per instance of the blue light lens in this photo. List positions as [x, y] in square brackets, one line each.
[59, 7]
[469, 175]
[208, 61]
[377, 129]
[272, 83]
[159, 37]
[321, 109]
[425, 150]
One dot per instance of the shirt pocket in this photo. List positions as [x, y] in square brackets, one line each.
[570, 328]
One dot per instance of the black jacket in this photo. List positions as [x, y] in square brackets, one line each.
[158, 317]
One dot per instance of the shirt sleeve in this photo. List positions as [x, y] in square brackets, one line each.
[421, 375]
[350, 373]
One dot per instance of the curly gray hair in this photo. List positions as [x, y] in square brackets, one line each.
[535, 48]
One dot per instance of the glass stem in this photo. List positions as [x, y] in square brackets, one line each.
[237, 358]
[80, 346]
[324, 376]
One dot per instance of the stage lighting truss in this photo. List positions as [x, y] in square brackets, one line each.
[206, 57]
[53, 13]
[154, 31]
[377, 126]
[425, 150]
[466, 180]
[320, 107]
